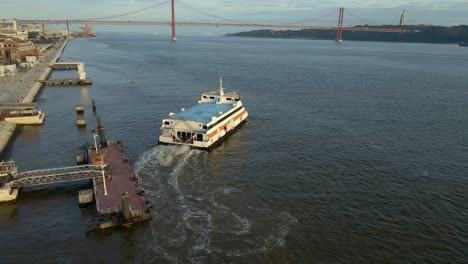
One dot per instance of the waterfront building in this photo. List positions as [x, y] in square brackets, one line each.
[9, 25]
[16, 50]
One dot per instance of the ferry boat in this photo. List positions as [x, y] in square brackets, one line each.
[206, 124]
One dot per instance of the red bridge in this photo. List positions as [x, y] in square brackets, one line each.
[230, 23]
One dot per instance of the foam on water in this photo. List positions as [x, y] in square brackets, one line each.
[174, 176]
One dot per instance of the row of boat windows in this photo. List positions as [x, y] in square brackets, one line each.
[224, 118]
[228, 98]
[170, 123]
[187, 136]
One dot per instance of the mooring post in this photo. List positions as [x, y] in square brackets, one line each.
[127, 216]
[94, 105]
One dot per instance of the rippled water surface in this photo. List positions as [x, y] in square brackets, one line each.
[353, 153]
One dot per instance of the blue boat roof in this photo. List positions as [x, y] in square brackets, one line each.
[202, 112]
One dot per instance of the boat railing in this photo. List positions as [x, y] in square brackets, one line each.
[191, 139]
[112, 141]
[109, 210]
[136, 212]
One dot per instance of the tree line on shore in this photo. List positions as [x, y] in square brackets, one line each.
[415, 33]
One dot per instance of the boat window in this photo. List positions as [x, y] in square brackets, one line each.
[229, 99]
[211, 97]
[167, 122]
[199, 137]
[205, 127]
[204, 97]
[237, 99]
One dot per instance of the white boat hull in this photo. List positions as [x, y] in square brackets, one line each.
[217, 136]
[205, 125]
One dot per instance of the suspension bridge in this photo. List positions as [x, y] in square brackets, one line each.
[114, 20]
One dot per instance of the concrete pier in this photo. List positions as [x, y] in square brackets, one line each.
[24, 87]
[85, 197]
[80, 122]
[67, 82]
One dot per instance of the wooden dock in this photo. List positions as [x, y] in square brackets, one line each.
[67, 82]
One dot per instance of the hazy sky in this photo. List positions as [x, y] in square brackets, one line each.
[375, 12]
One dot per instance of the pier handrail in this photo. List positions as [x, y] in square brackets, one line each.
[59, 171]
[136, 212]
[109, 210]
[56, 175]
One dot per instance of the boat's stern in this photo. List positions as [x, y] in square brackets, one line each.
[190, 133]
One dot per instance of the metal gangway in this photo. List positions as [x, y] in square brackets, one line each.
[56, 175]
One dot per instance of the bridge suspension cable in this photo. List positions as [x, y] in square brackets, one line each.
[313, 18]
[127, 13]
[209, 14]
[351, 14]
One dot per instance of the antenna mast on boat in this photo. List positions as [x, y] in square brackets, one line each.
[221, 89]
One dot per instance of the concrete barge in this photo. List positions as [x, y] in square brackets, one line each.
[119, 199]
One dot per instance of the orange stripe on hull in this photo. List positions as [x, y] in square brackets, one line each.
[213, 134]
[239, 115]
[235, 119]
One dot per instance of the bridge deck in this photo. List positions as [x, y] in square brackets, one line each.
[120, 179]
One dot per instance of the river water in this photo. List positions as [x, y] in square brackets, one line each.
[353, 153]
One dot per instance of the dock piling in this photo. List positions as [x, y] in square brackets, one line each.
[79, 109]
[85, 197]
[80, 122]
[101, 131]
[126, 208]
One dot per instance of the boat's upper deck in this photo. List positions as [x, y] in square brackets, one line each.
[211, 104]
[203, 112]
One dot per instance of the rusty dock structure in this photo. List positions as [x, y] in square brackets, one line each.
[78, 66]
[116, 193]
[119, 199]
[67, 82]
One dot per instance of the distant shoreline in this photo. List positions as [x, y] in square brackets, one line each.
[415, 34]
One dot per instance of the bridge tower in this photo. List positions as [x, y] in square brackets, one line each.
[173, 21]
[68, 29]
[339, 32]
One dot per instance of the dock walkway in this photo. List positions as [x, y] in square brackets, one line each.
[56, 175]
[121, 179]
